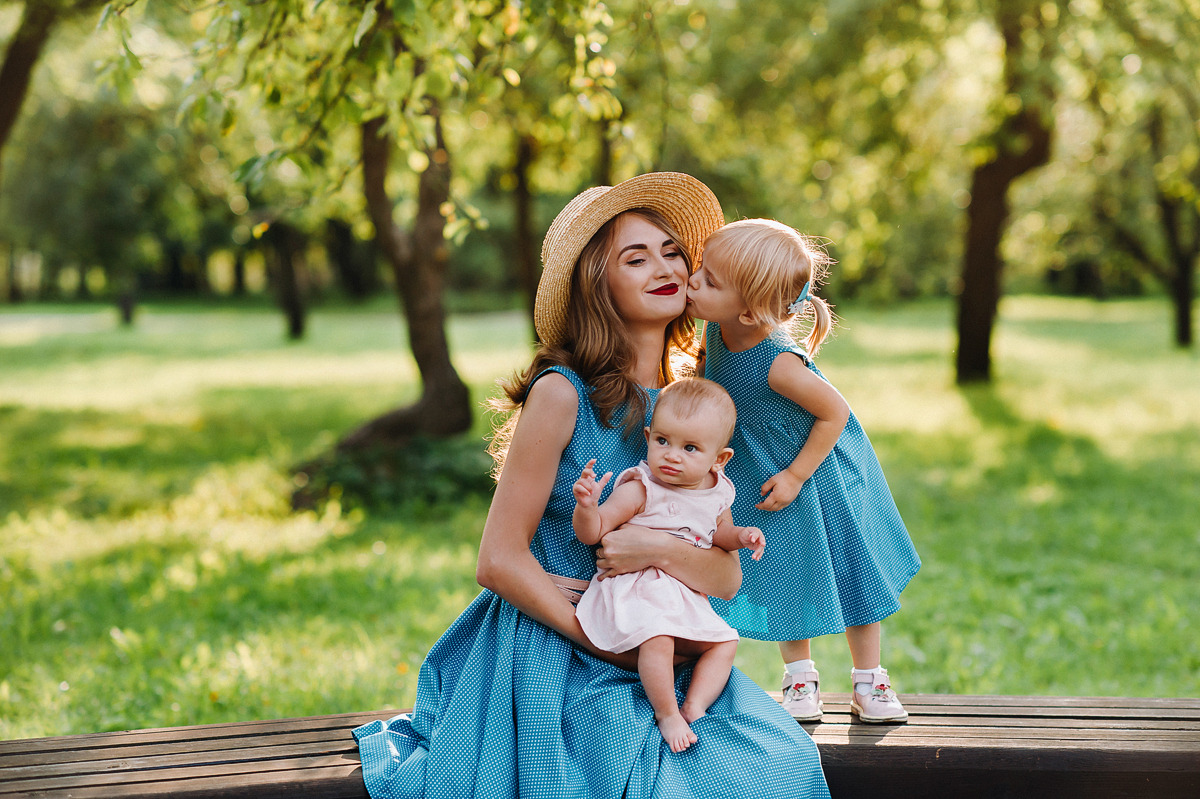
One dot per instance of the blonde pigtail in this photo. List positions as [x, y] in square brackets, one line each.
[822, 325]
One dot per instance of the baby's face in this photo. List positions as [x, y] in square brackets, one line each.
[682, 451]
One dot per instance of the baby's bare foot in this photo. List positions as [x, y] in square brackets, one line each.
[676, 732]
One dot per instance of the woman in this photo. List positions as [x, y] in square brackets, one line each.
[513, 700]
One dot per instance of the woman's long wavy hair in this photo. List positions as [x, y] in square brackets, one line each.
[597, 346]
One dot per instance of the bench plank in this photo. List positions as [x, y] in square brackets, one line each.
[983, 746]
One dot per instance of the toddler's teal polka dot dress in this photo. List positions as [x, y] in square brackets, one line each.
[506, 707]
[839, 555]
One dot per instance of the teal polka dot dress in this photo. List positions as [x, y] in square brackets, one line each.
[839, 555]
[506, 707]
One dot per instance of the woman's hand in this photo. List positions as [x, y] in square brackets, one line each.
[631, 548]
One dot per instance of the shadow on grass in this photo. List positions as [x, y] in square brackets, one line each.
[1059, 557]
[106, 463]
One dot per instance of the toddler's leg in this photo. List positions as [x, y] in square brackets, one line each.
[656, 667]
[873, 699]
[801, 685]
[709, 677]
[864, 645]
[795, 650]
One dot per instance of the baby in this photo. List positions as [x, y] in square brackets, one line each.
[681, 489]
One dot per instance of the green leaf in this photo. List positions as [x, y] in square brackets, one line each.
[437, 84]
[365, 24]
[130, 58]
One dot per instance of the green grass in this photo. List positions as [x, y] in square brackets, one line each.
[152, 572]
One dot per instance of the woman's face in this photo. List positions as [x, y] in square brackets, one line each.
[646, 272]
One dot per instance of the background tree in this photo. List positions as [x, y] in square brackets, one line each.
[1019, 143]
[406, 76]
[119, 196]
[38, 20]
[1148, 200]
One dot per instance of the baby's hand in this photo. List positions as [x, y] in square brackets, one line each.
[752, 538]
[587, 488]
[779, 491]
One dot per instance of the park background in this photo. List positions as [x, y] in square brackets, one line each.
[262, 264]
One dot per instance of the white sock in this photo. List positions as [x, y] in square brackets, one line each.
[864, 688]
[799, 666]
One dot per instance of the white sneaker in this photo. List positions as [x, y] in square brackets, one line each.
[802, 695]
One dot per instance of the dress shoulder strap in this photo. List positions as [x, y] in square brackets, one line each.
[784, 343]
[568, 373]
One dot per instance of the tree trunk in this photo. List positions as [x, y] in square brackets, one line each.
[175, 280]
[287, 242]
[1180, 278]
[14, 293]
[239, 272]
[1176, 214]
[1182, 290]
[527, 266]
[353, 260]
[604, 159]
[24, 49]
[418, 262]
[1022, 143]
[126, 306]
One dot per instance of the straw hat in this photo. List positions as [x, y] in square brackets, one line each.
[689, 205]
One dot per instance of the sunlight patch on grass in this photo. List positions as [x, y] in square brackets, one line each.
[242, 508]
[106, 385]
[99, 437]
[23, 329]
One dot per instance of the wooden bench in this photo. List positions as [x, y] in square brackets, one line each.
[974, 746]
[1015, 746]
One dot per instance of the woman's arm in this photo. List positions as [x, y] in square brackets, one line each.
[631, 548]
[789, 377]
[505, 565]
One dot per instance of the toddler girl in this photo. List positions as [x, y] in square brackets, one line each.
[806, 473]
[681, 489]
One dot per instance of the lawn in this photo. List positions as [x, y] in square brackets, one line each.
[152, 572]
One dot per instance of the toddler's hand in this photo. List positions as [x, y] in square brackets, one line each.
[779, 491]
[587, 488]
[752, 538]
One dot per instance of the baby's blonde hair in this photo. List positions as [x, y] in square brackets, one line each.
[768, 263]
[691, 396]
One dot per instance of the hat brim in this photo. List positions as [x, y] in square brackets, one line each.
[686, 203]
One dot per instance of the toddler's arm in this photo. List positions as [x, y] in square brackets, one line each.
[730, 537]
[789, 377]
[592, 519]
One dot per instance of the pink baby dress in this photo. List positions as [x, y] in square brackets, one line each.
[621, 612]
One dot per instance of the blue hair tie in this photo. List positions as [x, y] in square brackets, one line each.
[803, 298]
